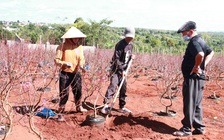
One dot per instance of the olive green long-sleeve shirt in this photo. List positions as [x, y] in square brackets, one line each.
[67, 52]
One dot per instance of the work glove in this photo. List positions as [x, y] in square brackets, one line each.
[83, 69]
[68, 64]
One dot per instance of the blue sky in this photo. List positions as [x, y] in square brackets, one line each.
[151, 14]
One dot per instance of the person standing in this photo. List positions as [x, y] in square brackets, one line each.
[197, 56]
[122, 55]
[70, 59]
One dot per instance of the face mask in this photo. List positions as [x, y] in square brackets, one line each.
[186, 38]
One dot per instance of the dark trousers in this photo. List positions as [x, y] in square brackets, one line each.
[115, 81]
[192, 101]
[75, 81]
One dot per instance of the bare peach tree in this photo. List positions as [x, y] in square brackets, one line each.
[96, 77]
[20, 68]
[168, 78]
[215, 77]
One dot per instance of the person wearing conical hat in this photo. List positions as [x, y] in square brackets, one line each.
[70, 59]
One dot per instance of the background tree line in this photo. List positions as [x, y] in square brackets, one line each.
[102, 35]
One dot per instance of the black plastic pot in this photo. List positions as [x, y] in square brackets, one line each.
[169, 113]
[95, 120]
[214, 97]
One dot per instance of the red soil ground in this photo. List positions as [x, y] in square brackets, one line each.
[144, 122]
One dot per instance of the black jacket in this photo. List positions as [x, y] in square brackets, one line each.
[122, 56]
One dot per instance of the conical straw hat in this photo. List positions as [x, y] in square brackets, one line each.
[73, 33]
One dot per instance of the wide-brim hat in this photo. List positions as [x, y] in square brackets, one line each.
[73, 33]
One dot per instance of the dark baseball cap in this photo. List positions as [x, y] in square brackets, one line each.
[190, 25]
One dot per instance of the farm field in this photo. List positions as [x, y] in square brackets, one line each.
[154, 83]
